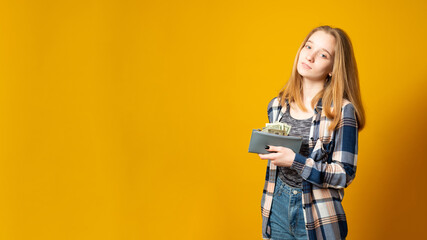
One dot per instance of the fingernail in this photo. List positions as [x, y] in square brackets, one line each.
[267, 147]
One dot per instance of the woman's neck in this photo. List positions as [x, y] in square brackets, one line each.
[310, 89]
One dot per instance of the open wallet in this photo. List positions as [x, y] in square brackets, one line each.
[260, 139]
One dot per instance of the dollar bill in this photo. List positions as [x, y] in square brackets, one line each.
[278, 128]
[277, 132]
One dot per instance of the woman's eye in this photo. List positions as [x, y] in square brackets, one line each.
[308, 46]
[323, 55]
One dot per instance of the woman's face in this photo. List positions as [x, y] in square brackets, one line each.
[316, 58]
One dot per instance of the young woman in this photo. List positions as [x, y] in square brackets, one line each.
[321, 101]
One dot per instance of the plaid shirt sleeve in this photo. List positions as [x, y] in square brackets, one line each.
[339, 171]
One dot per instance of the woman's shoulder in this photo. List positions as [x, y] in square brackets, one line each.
[346, 104]
[272, 103]
[347, 109]
[273, 108]
[275, 102]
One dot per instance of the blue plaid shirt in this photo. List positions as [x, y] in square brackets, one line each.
[330, 167]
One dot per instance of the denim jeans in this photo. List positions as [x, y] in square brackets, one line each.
[287, 217]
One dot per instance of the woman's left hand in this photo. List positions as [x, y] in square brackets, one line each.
[282, 156]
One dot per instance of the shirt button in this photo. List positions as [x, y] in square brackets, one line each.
[295, 192]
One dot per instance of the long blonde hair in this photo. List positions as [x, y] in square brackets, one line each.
[343, 84]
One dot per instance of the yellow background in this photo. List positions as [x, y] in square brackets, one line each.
[131, 119]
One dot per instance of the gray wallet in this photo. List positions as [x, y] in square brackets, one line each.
[260, 139]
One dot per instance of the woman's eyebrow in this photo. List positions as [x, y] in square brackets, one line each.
[321, 48]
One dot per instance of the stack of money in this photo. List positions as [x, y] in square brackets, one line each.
[277, 128]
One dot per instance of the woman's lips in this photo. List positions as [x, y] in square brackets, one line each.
[305, 66]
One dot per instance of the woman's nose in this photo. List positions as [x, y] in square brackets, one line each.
[310, 57]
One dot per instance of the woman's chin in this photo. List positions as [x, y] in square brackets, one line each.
[312, 78]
